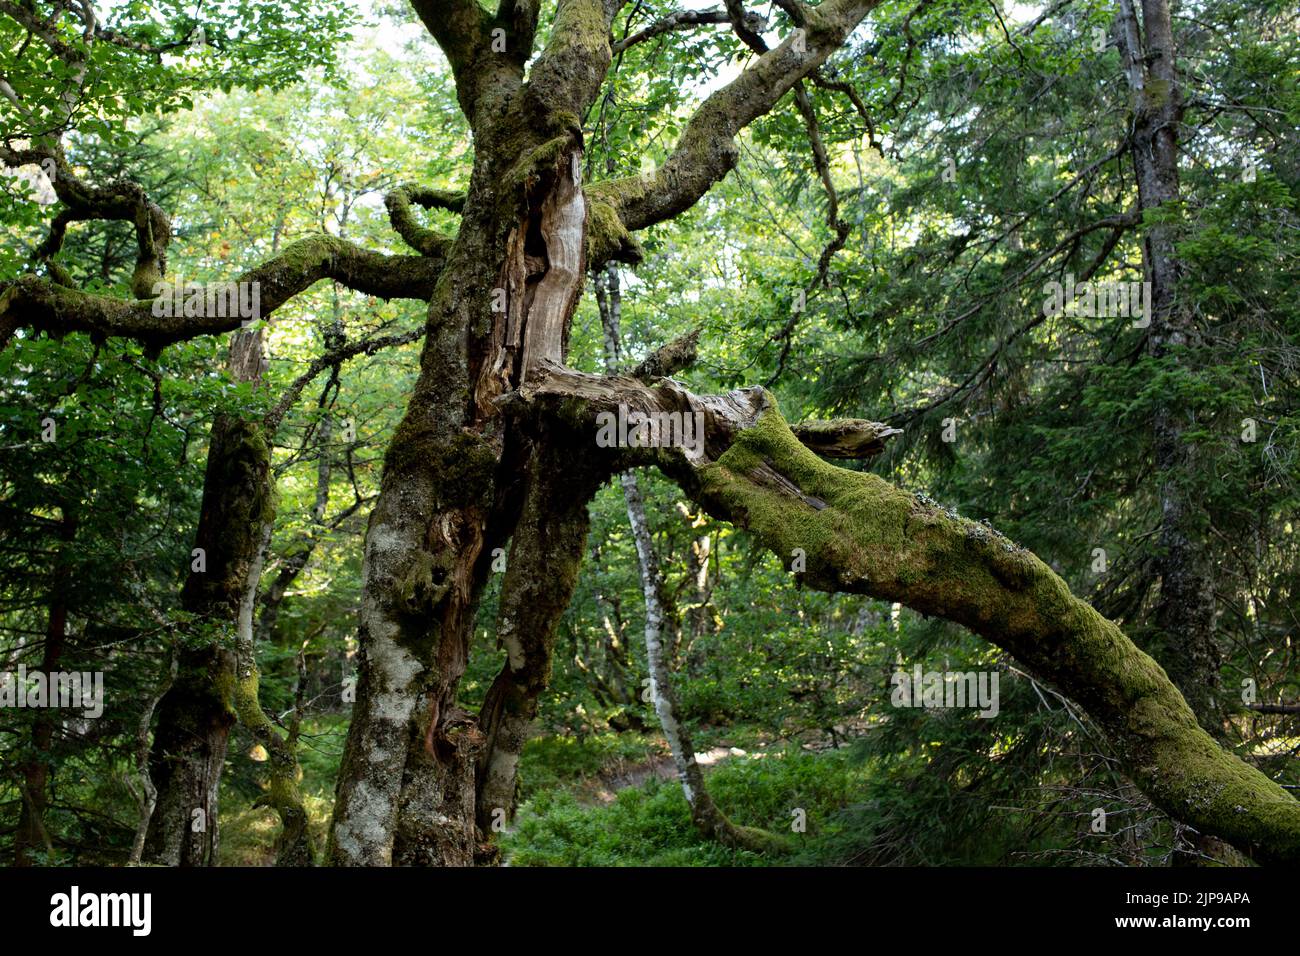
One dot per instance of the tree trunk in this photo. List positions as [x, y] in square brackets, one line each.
[142, 788]
[1185, 611]
[217, 678]
[34, 789]
[189, 750]
[541, 573]
[407, 787]
[293, 844]
[706, 816]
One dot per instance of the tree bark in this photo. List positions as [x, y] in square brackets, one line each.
[195, 716]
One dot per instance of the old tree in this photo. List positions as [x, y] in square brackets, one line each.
[496, 449]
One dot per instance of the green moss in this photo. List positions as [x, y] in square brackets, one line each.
[146, 276]
[462, 465]
[538, 165]
[606, 236]
[282, 792]
[417, 591]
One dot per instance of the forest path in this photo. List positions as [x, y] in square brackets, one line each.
[603, 788]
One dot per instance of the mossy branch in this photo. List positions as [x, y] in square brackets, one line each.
[567, 74]
[862, 535]
[38, 304]
[121, 200]
[427, 242]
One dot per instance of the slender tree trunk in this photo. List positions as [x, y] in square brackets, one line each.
[1185, 612]
[31, 833]
[608, 670]
[142, 788]
[708, 819]
[293, 843]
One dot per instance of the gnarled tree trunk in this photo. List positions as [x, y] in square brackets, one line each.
[492, 383]
[217, 676]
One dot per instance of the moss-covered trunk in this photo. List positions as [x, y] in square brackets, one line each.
[406, 791]
[217, 678]
[185, 761]
[422, 574]
[195, 715]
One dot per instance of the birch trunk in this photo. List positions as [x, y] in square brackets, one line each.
[706, 816]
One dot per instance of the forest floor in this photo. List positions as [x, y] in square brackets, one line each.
[600, 799]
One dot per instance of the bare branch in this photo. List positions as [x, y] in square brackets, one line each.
[845, 437]
[330, 358]
[1274, 708]
[677, 20]
[669, 359]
